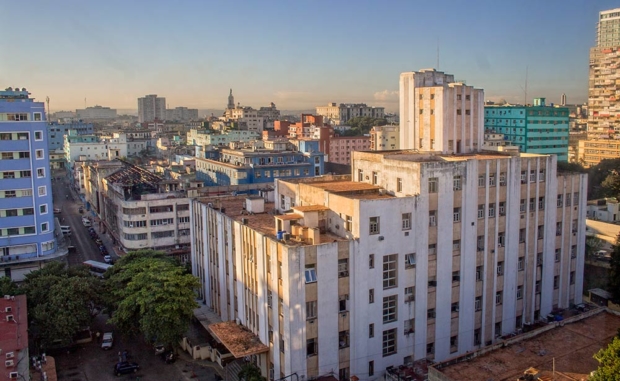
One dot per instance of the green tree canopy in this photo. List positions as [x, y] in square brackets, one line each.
[597, 176]
[250, 372]
[8, 287]
[153, 295]
[60, 301]
[362, 125]
[609, 362]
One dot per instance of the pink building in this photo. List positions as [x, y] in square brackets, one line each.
[340, 148]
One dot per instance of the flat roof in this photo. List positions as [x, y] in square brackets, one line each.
[571, 347]
[239, 340]
[287, 217]
[344, 186]
[310, 208]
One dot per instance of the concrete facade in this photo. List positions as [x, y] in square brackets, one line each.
[96, 113]
[151, 107]
[56, 132]
[439, 114]
[337, 114]
[592, 151]
[384, 138]
[341, 148]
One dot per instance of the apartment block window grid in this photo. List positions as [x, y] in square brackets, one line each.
[390, 264]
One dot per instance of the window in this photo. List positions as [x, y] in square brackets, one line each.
[456, 245]
[558, 253]
[575, 226]
[457, 183]
[311, 309]
[456, 215]
[521, 235]
[481, 181]
[479, 273]
[477, 336]
[481, 211]
[371, 368]
[348, 223]
[541, 203]
[342, 303]
[556, 282]
[537, 287]
[430, 347]
[560, 202]
[409, 294]
[375, 178]
[576, 198]
[432, 185]
[573, 251]
[492, 179]
[501, 239]
[371, 330]
[523, 177]
[45, 227]
[532, 176]
[502, 179]
[406, 219]
[343, 267]
[43, 191]
[310, 274]
[360, 175]
[371, 261]
[312, 347]
[371, 296]
[456, 276]
[432, 249]
[389, 308]
[541, 231]
[430, 313]
[343, 339]
[432, 218]
[519, 292]
[532, 204]
[498, 329]
[374, 225]
[541, 175]
[558, 228]
[409, 260]
[43, 209]
[399, 184]
[454, 343]
[40, 172]
[521, 264]
[389, 342]
[522, 206]
[39, 154]
[572, 277]
[480, 242]
[567, 199]
[38, 135]
[491, 210]
[499, 297]
[500, 268]
[389, 271]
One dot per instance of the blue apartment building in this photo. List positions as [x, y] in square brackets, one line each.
[56, 132]
[27, 232]
[534, 129]
[228, 166]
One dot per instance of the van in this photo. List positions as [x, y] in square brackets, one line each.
[65, 229]
[108, 340]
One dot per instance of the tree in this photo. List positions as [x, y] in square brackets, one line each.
[598, 174]
[609, 362]
[60, 301]
[611, 184]
[362, 125]
[250, 372]
[593, 244]
[151, 294]
[8, 287]
[614, 272]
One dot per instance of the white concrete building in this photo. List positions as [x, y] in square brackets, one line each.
[605, 209]
[151, 107]
[439, 114]
[205, 138]
[384, 138]
[96, 113]
[360, 272]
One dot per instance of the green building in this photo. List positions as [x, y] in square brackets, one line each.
[534, 129]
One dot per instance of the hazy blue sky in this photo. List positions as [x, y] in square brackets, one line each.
[298, 54]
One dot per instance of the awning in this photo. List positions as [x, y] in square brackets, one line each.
[237, 339]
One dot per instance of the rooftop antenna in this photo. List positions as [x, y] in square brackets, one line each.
[47, 99]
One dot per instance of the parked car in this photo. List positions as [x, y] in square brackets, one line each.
[160, 349]
[86, 222]
[107, 259]
[57, 210]
[125, 368]
[65, 229]
[108, 340]
[99, 242]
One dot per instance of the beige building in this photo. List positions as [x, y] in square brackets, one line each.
[439, 114]
[420, 255]
[604, 84]
[339, 114]
[384, 138]
[592, 151]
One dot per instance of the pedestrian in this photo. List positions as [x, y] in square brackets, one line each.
[98, 334]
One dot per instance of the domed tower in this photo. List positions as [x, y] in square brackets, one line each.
[231, 101]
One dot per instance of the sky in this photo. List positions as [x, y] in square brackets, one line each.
[298, 54]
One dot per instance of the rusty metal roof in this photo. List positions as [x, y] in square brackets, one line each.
[239, 340]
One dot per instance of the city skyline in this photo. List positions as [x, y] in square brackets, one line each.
[111, 54]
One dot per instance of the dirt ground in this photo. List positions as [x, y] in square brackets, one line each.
[572, 346]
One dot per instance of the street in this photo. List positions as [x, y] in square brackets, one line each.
[86, 248]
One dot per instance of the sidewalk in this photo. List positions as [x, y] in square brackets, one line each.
[201, 370]
[97, 224]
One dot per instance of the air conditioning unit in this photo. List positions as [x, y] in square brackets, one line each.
[9, 363]
[8, 309]
[7, 297]
[410, 298]
[9, 318]
[13, 375]
[10, 355]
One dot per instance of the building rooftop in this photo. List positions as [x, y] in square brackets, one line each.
[133, 175]
[239, 340]
[571, 346]
[310, 208]
[14, 330]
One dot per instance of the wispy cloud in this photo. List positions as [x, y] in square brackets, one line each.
[386, 96]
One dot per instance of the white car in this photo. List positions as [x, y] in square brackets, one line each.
[107, 259]
[86, 222]
[108, 340]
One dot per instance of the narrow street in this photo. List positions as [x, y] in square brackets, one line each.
[69, 203]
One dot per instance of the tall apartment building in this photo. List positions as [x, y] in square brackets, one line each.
[27, 236]
[181, 114]
[439, 114]
[337, 114]
[534, 129]
[150, 108]
[592, 151]
[419, 256]
[384, 138]
[341, 148]
[604, 84]
[96, 113]
[56, 132]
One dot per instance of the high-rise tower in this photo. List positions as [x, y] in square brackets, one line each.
[150, 108]
[604, 84]
[231, 101]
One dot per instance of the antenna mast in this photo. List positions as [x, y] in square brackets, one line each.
[47, 99]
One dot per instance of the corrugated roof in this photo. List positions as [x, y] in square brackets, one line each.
[237, 339]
